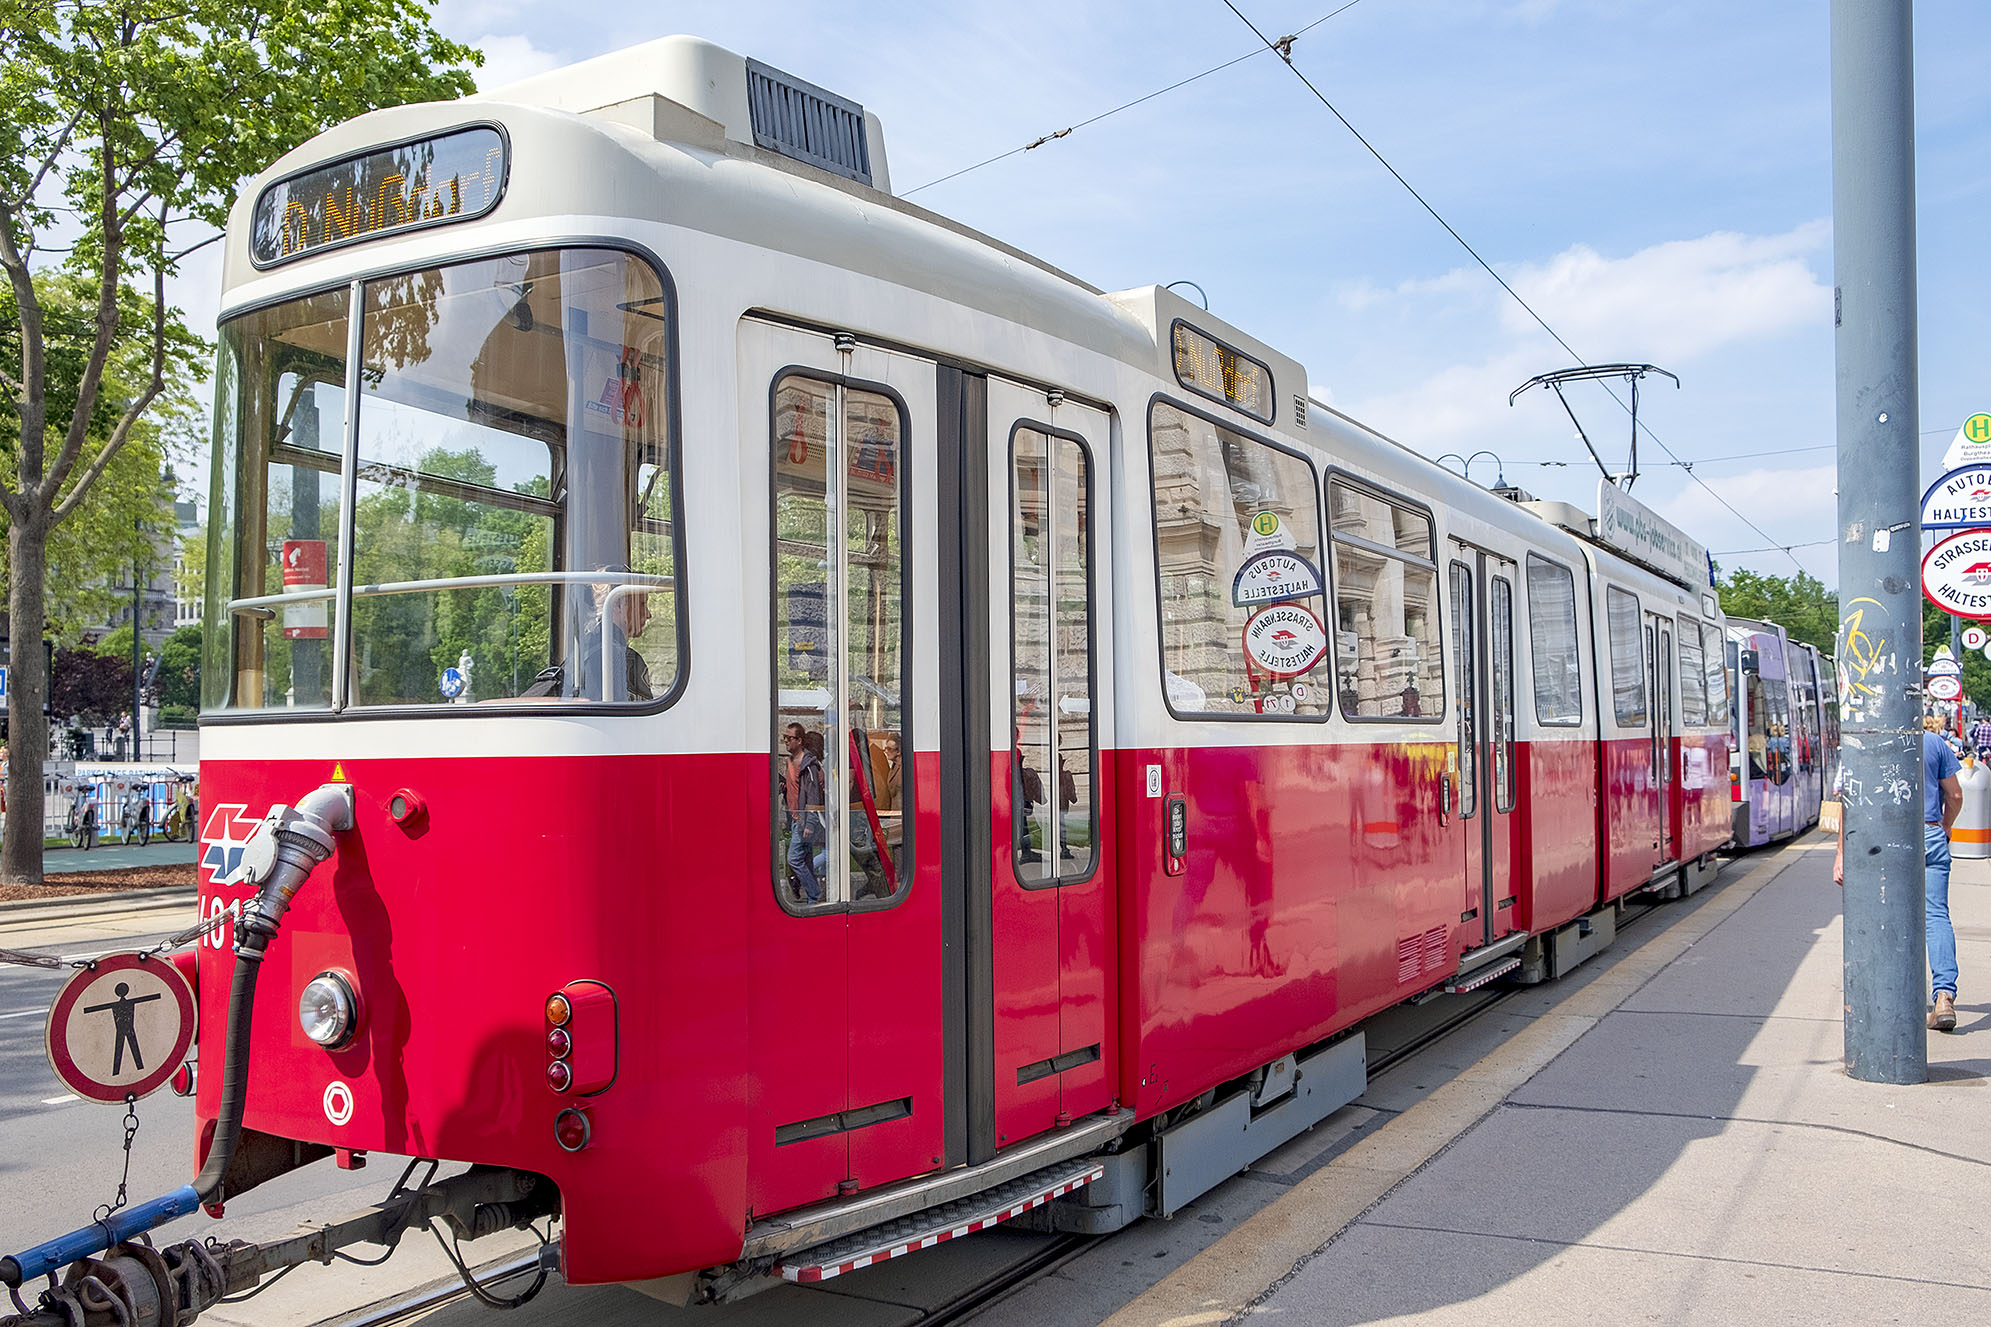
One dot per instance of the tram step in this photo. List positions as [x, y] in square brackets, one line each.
[1482, 977]
[923, 1230]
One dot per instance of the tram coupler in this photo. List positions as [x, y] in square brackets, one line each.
[135, 1285]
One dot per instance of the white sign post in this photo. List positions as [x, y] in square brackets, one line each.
[1971, 445]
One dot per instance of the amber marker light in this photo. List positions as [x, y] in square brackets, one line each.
[558, 1011]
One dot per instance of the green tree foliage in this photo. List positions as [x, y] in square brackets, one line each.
[179, 670]
[95, 549]
[1802, 605]
[126, 127]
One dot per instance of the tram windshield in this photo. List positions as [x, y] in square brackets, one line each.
[483, 512]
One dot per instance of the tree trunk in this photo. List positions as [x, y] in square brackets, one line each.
[27, 688]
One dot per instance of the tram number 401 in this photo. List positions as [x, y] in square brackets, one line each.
[219, 937]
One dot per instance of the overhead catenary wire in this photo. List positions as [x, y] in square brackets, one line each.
[1714, 460]
[1285, 54]
[1774, 548]
[1284, 44]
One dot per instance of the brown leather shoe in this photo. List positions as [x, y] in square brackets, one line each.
[1943, 1017]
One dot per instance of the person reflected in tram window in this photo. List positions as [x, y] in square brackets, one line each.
[1029, 793]
[627, 617]
[803, 802]
[1413, 707]
[890, 794]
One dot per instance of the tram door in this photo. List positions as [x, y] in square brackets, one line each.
[848, 1017]
[1050, 714]
[1482, 593]
[1665, 736]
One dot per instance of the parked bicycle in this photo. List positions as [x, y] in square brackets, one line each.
[137, 820]
[82, 823]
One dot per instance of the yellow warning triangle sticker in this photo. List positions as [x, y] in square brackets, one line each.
[338, 772]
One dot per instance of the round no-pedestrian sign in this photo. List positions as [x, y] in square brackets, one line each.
[121, 1027]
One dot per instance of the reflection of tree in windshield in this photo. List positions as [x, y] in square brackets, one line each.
[400, 312]
[408, 531]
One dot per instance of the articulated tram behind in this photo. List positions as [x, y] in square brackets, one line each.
[747, 711]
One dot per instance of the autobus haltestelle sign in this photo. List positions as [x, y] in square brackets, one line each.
[1960, 500]
[1956, 574]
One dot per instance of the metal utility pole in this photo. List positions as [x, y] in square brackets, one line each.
[137, 642]
[1880, 629]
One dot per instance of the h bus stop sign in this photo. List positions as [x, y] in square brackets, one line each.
[120, 1028]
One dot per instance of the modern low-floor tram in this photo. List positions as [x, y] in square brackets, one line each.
[837, 715]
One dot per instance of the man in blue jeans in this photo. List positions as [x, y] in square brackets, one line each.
[1942, 800]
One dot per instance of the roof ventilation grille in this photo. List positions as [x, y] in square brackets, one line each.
[802, 121]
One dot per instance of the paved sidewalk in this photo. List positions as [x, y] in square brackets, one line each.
[1676, 1142]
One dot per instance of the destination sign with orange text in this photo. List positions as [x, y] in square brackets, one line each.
[431, 181]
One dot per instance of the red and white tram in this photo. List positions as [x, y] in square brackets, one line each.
[815, 715]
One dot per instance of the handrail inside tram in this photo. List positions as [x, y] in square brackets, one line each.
[258, 605]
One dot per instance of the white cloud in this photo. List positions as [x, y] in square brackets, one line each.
[507, 59]
[1681, 299]
[1788, 505]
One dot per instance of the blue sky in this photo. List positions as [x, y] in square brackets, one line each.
[1655, 179]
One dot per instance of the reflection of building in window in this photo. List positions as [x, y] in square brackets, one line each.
[1052, 745]
[1385, 602]
[1627, 658]
[1553, 644]
[1693, 676]
[1209, 484]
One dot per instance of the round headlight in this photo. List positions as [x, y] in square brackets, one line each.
[327, 1010]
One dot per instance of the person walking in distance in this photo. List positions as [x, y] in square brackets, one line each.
[1980, 736]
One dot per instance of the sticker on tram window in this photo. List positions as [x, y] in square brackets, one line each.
[1284, 640]
[1273, 576]
[452, 177]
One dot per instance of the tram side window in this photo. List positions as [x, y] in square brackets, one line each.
[1552, 642]
[1716, 667]
[842, 791]
[1502, 649]
[1777, 695]
[280, 425]
[1693, 676]
[1387, 657]
[1053, 751]
[1758, 719]
[1627, 662]
[1237, 551]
